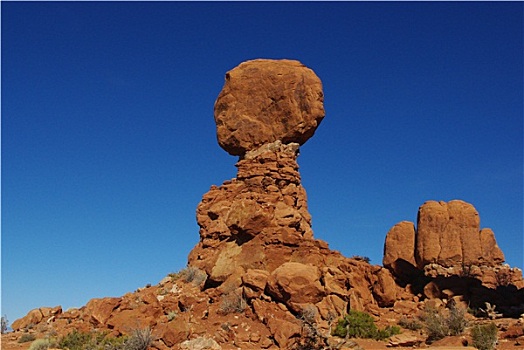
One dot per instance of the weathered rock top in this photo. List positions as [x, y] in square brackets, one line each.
[447, 234]
[264, 101]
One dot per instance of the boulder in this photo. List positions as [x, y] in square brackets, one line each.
[263, 101]
[295, 283]
[399, 247]
[51, 311]
[175, 331]
[385, 289]
[448, 234]
[200, 343]
[99, 310]
[32, 318]
[405, 340]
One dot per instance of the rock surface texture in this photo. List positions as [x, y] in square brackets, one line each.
[266, 100]
[258, 279]
[449, 255]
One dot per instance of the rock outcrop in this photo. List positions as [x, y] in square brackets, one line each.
[447, 255]
[447, 234]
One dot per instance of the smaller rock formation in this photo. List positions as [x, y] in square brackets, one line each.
[447, 234]
[447, 255]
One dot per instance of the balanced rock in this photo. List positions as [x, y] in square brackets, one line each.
[255, 230]
[263, 101]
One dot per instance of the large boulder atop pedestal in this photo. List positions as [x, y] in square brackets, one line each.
[263, 101]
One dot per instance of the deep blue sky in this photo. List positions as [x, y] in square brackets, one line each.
[108, 138]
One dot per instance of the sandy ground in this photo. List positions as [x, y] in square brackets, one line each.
[9, 342]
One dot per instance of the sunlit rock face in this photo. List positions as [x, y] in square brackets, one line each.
[263, 101]
[447, 234]
[258, 223]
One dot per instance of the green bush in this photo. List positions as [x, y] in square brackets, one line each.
[358, 324]
[91, 341]
[75, 340]
[484, 336]
[26, 337]
[41, 344]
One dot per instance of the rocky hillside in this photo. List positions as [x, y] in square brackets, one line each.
[258, 279]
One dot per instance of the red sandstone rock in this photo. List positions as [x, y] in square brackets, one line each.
[100, 309]
[399, 248]
[256, 243]
[491, 252]
[50, 311]
[448, 236]
[296, 283]
[385, 289]
[263, 101]
[33, 317]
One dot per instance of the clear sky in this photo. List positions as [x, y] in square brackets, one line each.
[108, 138]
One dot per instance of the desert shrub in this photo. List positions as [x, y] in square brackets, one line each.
[3, 324]
[171, 315]
[385, 333]
[191, 274]
[140, 339]
[26, 337]
[361, 258]
[456, 320]
[484, 337]
[76, 340]
[435, 324]
[311, 338]
[439, 325]
[233, 302]
[358, 324]
[410, 324]
[308, 314]
[41, 344]
[91, 341]
[111, 343]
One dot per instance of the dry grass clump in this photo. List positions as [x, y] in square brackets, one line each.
[233, 302]
[439, 325]
[190, 274]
